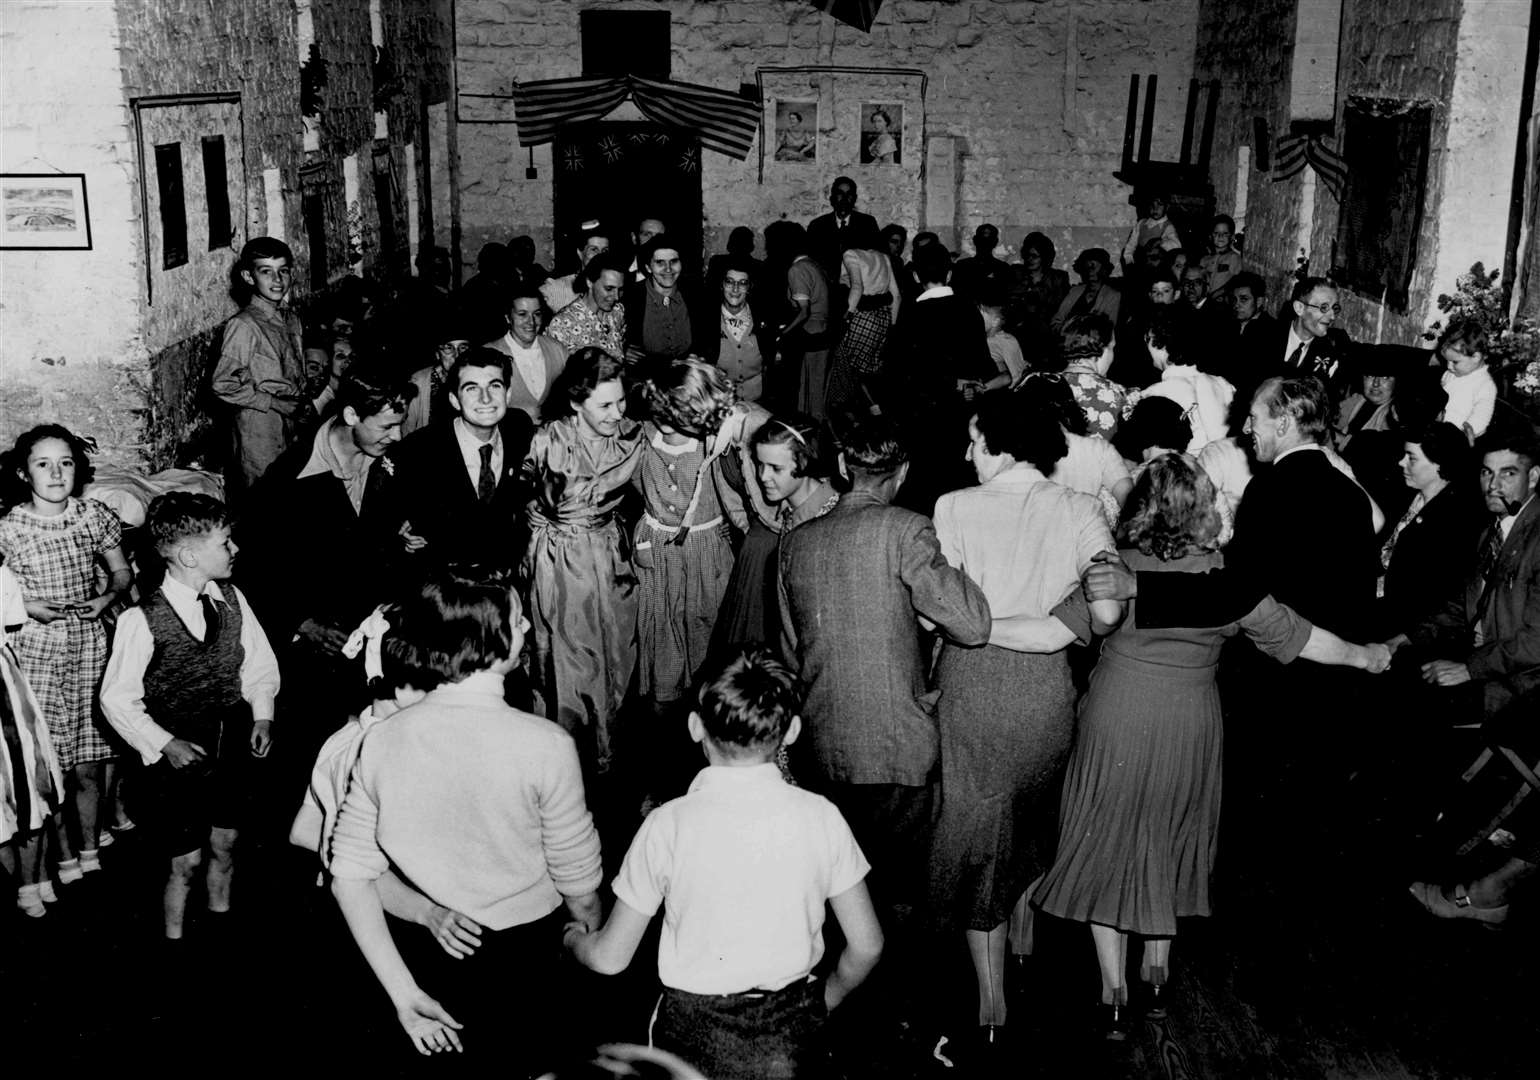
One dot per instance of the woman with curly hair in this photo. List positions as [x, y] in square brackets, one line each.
[683, 552]
[1140, 811]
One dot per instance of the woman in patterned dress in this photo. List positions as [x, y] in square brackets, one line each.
[582, 587]
[53, 540]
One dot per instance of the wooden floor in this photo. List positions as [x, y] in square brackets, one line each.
[1320, 968]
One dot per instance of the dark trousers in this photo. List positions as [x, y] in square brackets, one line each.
[894, 824]
[507, 995]
[759, 1035]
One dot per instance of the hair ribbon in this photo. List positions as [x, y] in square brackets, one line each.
[367, 639]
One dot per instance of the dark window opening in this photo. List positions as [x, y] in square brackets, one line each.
[173, 205]
[1385, 144]
[216, 187]
[314, 195]
[625, 43]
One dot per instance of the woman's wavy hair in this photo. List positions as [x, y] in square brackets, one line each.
[586, 369]
[804, 437]
[1171, 512]
[690, 396]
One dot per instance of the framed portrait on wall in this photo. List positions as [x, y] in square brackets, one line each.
[796, 132]
[882, 133]
[44, 211]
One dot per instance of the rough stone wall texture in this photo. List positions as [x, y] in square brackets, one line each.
[81, 342]
[997, 72]
[70, 348]
[1404, 50]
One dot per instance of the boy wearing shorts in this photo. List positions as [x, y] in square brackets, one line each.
[190, 685]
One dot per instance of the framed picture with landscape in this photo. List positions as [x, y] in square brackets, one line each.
[44, 211]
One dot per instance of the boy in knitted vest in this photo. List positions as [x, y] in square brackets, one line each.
[190, 686]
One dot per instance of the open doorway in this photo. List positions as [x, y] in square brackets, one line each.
[620, 171]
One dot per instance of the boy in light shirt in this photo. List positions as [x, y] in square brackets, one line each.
[742, 866]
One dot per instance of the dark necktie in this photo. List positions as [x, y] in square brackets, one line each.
[1297, 357]
[210, 618]
[486, 483]
[1491, 569]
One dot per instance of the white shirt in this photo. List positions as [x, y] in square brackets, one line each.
[1472, 399]
[742, 865]
[470, 451]
[1204, 398]
[1294, 342]
[133, 647]
[317, 817]
[1505, 525]
[530, 363]
[933, 292]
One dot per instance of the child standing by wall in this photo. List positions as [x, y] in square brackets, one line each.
[191, 686]
[261, 368]
[30, 782]
[54, 540]
[1470, 386]
[742, 867]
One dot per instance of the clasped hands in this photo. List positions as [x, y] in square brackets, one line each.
[1436, 672]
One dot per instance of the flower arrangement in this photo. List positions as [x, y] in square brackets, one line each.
[1514, 355]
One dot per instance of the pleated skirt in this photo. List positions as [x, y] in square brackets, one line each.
[1139, 818]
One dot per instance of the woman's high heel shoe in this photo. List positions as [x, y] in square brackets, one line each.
[1156, 1000]
[1112, 1019]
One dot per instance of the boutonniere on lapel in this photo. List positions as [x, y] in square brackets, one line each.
[388, 465]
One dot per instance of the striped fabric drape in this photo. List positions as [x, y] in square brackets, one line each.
[722, 121]
[1294, 152]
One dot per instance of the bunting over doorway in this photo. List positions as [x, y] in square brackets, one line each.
[723, 121]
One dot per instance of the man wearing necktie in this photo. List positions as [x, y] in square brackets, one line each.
[824, 232]
[1489, 634]
[1308, 343]
[453, 497]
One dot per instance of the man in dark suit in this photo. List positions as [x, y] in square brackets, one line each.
[824, 231]
[1307, 343]
[1304, 533]
[455, 496]
[1489, 633]
[853, 584]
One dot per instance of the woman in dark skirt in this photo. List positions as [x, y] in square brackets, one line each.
[1140, 812]
[1006, 709]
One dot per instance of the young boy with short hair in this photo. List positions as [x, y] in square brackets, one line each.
[191, 685]
[742, 865]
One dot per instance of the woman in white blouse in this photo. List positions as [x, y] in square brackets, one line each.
[871, 311]
[1006, 709]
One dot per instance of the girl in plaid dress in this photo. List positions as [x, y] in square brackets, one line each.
[52, 540]
[683, 552]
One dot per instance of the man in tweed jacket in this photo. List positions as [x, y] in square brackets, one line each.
[854, 586]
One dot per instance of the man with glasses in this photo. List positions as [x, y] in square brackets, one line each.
[1309, 343]
[537, 358]
[432, 381]
[745, 339]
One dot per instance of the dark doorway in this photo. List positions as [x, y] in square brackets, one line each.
[619, 172]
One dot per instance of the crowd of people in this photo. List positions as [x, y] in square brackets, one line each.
[901, 589]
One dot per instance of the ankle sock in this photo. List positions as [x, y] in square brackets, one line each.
[90, 859]
[29, 902]
[45, 890]
[69, 870]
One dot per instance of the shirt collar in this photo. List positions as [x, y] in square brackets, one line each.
[471, 446]
[1295, 449]
[483, 685]
[935, 291]
[176, 591]
[322, 457]
[737, 776]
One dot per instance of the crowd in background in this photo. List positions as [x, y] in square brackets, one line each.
[855, 574]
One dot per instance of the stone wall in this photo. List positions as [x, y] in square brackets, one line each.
[1032, 92]
[113, 341]
[1462, 57]
[70, 349]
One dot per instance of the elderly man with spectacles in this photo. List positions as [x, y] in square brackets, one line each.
[1307, 342]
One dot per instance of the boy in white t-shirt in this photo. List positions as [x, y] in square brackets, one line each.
[742, 866]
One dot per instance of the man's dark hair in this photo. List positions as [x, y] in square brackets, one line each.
[480, 357]
[1305, 286]
[1247, 279]
[870, 446]
[932, 264]
[369, 393]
